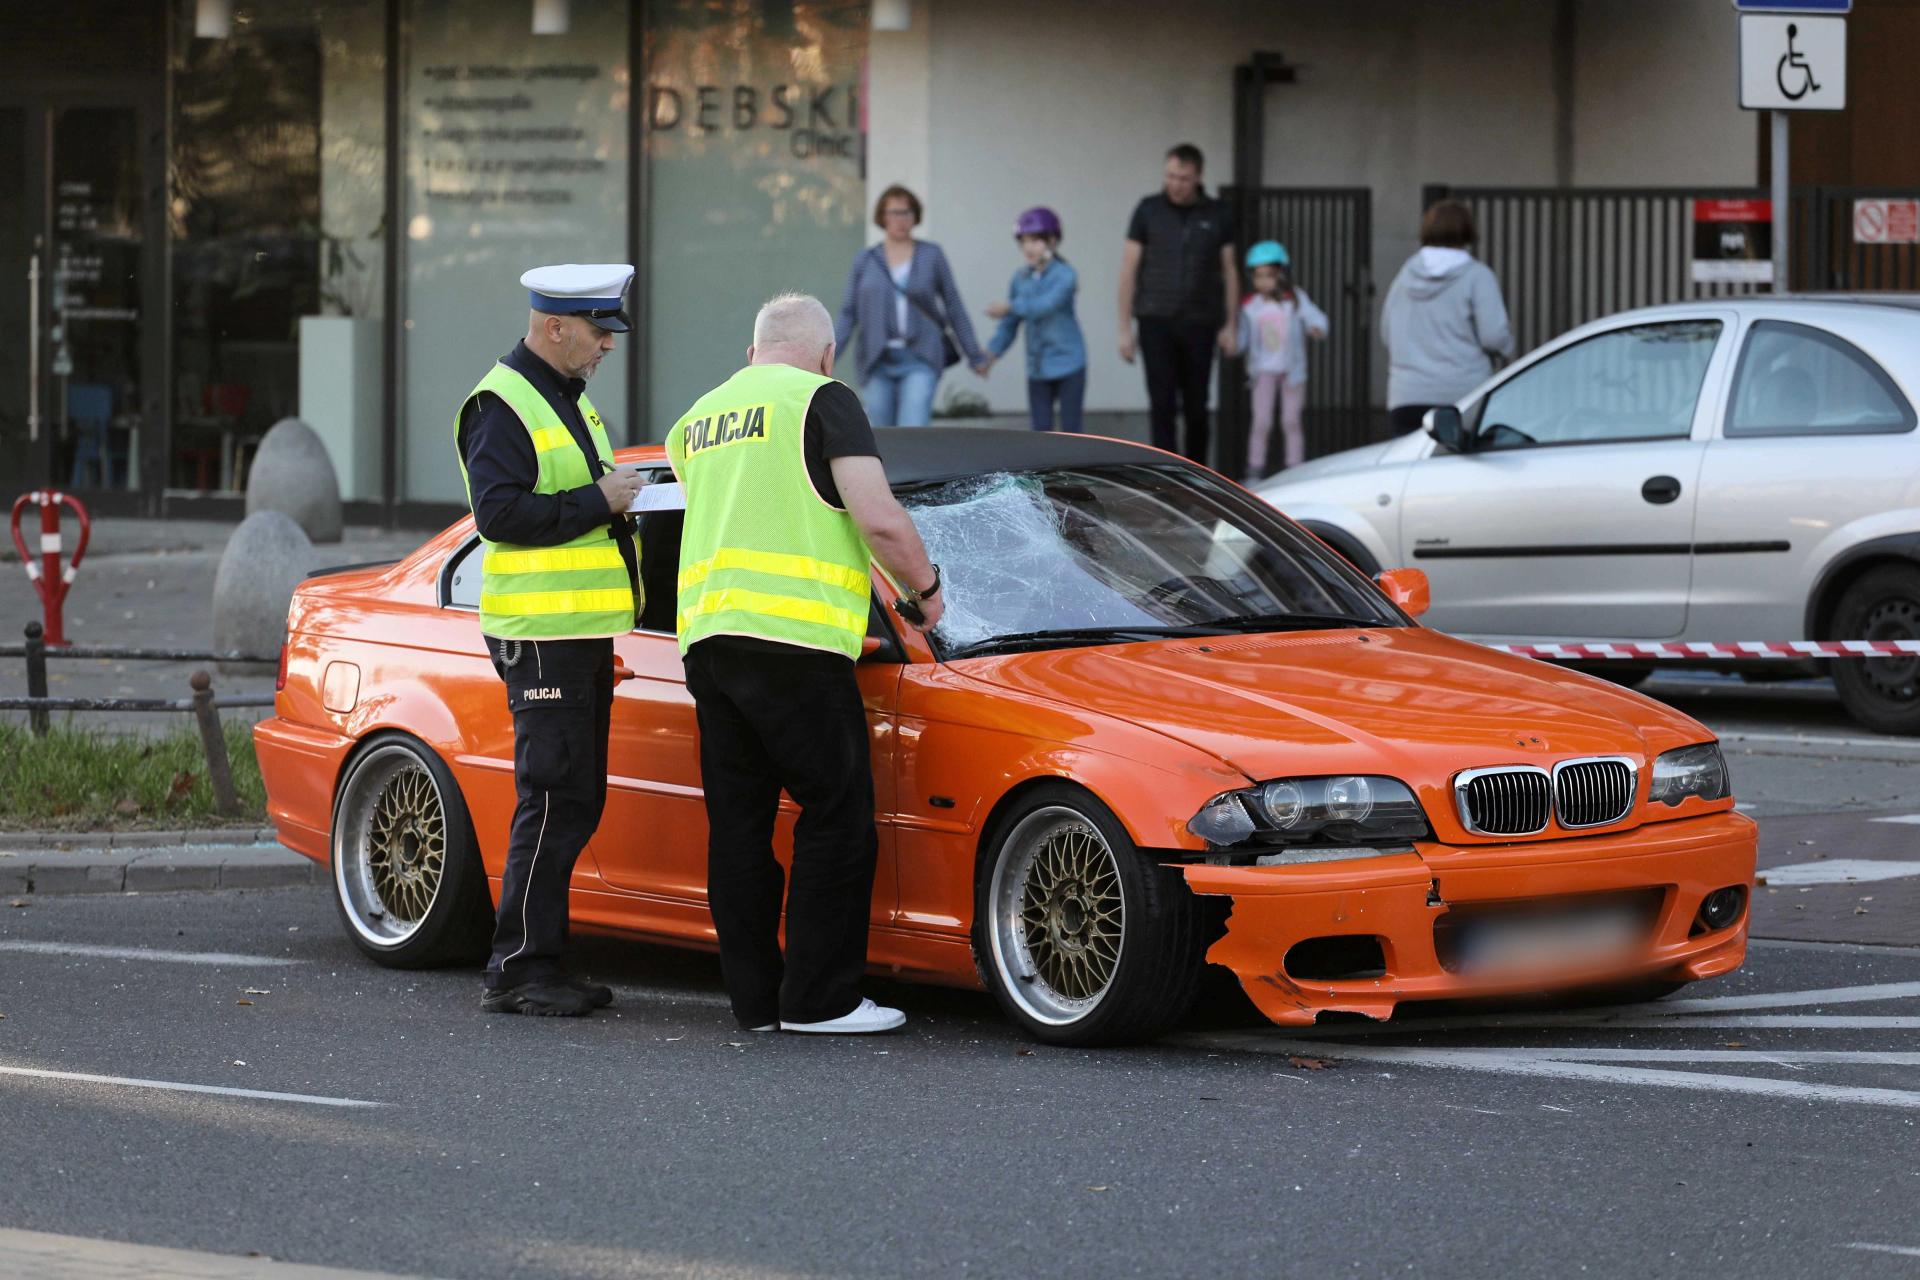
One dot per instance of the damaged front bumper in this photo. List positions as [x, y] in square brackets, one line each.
[1401, 903]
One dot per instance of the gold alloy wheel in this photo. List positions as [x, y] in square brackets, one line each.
[407, 844]
[389, 844]
[1059, 915]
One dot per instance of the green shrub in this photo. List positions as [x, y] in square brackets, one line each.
[73, 779]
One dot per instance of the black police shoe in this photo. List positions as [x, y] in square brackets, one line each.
[546, 999]
[597, 996]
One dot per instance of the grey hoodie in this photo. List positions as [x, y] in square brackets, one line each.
[1443, 322]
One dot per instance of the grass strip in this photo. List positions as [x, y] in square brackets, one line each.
[75, 780]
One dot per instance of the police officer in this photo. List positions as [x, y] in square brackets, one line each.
[558, 583]
[787, 504]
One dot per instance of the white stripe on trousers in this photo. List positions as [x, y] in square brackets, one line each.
[546, 807]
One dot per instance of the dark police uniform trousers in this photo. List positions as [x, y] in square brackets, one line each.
[560, 691]
[561, 696]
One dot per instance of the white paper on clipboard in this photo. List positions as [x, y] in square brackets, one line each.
[662, 495]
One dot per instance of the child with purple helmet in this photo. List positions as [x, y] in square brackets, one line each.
[1041, 294]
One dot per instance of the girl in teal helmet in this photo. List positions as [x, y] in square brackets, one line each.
[1275, 322]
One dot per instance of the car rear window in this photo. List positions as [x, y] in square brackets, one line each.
[1795, 380]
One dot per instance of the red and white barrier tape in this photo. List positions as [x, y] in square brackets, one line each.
[1716, 649]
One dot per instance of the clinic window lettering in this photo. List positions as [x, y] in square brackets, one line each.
[820, 119]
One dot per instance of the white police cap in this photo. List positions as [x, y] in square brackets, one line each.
[596, 290]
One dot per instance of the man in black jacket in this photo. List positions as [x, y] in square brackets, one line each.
[1179, 279]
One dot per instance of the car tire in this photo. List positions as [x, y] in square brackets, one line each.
[1628, 675]
[1348, 547]
[1081, 938]
[1881, 693]
[407, 876]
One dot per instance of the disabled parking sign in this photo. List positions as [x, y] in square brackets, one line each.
[1793, 62]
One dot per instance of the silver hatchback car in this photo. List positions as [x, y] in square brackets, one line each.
[1723, 470]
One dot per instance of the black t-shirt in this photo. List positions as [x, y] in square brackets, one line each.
[836, 427]
[1180, 257]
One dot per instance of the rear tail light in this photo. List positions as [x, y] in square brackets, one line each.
[280, 677]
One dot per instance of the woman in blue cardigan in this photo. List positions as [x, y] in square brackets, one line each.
[901, 297]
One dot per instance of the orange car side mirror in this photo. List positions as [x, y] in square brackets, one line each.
[870, 645]
[1408, 589]
[621, 671]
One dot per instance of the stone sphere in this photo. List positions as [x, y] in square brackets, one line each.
[265, 560]
[293, 473]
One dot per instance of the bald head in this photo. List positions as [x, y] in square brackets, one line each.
[795, 329]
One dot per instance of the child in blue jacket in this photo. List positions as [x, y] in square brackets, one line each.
[1041, 293]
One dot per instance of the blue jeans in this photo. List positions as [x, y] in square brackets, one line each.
[899, 391]
[1071, 391]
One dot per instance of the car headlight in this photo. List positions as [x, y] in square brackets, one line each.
[1348, 809]
[1690, 771]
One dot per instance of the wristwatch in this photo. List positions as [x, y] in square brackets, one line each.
[931, 591]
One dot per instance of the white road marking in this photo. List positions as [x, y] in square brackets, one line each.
[177, 1087]
[1510, 1062]
[1905, 819]
[1610, 1021]
[1864, 993]
[1904, 1250]
[227, 958]
[1813, 740]
[1778, 1057]
[1839, 871]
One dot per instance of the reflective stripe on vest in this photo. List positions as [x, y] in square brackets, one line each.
[579, 589]
[761, 554]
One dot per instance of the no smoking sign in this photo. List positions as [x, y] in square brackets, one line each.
[1886, 221]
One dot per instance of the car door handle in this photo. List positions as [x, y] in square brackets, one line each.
[1660, 490]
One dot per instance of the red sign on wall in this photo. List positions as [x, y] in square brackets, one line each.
[1886, 221]
[1732, 241]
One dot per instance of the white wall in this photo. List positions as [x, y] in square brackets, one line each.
[1655, 101]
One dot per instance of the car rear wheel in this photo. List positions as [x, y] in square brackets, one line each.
[407, 875]
[1081, 938]
[1881, 693]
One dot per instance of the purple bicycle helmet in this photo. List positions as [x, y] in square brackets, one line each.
[1037, 221]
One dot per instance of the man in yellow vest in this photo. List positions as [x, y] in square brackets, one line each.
[558, 582]
[787, 505]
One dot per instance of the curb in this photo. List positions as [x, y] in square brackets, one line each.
[15, 840]
[175, 867]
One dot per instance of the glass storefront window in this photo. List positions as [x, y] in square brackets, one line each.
[276, 208]
[756, 157]
[516, 156]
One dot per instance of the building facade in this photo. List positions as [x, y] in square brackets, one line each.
[235, 211]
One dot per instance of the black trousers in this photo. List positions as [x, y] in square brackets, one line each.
[1178, 355]
[561, 696]
[792, 719]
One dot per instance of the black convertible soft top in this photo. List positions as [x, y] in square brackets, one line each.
[925, 455]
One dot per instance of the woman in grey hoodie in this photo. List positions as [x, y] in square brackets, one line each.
[1443, 321]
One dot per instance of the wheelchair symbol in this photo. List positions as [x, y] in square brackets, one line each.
[1792, 58]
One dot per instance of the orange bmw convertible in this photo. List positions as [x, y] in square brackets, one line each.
[1159, 727]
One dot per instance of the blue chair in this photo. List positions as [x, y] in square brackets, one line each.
[90, 408]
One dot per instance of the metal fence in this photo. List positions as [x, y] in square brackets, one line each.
[1566, 255]
[1328, 232]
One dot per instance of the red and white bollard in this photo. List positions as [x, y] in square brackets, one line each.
[48, 577]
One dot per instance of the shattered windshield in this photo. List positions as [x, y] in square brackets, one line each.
[1111, 553]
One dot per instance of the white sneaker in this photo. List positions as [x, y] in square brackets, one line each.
[865, 1020]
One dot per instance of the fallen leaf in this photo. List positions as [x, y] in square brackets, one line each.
[1305, 1063]
[238, 1063]
[256, 991]
[1096, 1188]
[243, 1002]
[1859, 911]
[1024, 1053]
[1733, 1044]
[181, 788]
[128, 807]
[18, 902]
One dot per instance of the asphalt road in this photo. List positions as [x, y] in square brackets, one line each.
[1761, 1124]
